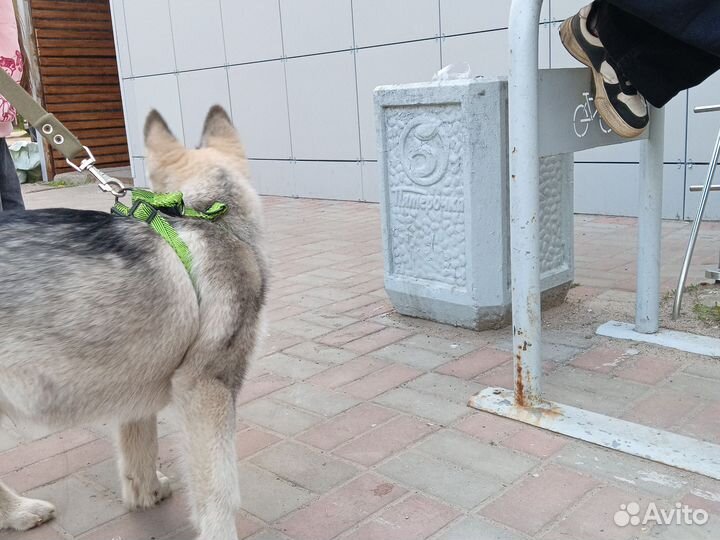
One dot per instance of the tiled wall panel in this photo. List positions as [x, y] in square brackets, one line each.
[298, 75]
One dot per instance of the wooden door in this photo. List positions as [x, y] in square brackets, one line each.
[79, 76]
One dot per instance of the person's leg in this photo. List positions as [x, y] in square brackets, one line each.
[632, 60]
[10, 193]
[694, 22]
[655, 63]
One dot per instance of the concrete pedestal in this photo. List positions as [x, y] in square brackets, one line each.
[444, 199]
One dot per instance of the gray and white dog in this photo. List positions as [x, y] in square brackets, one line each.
[100, 320]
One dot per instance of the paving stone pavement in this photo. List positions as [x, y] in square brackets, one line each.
[352, 424]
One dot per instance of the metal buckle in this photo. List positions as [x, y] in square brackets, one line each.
[105, 182]
[85, 163]
[149, 218]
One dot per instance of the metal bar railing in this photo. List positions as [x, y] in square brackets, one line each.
[706, 189]
[525, 200]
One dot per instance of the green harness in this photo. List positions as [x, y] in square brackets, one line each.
[150, 207]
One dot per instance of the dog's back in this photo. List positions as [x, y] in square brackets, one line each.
[96, 309]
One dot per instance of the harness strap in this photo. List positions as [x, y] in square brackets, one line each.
[150, 207]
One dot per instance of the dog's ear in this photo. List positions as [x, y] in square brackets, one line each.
[219, 133]
[158, 137]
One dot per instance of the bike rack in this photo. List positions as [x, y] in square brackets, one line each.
[525, 403]
[591, 113]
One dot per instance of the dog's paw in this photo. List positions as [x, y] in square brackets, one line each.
[165, 490]
[138, 496]
[26, 513]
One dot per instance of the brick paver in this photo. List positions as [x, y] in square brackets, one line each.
[663, 409]
[413, 356]
[303, 466]
[320, 353]
[473, 455]
[277, 416]
[488, 427]
[534, 503]
[445, 386]
[46, 532]
[644, 477]
[267, 496]
[350, 333]
[375, 384]
[371, 310]
[475, 527]
[647, 369]
[59, 466]
[458, 486]
[261, 386]
[289, 366]
[318, 400]
[333, 514]
[433, 408]
[415, 517]
[170, 516]
[346, 426]
[375, 341]
[251, 441]
[592, 519]
[353, 424]
[706, 423]
[384, 441]
[473, 364]
[600, 359]
[27, 454]
[350, 371]
[97, 509]
[535, 442]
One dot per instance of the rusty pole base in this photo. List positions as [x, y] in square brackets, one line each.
[627, 437]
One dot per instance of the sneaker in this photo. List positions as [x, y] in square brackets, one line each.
[619, 103]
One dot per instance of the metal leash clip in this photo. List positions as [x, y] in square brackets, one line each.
[105, 182]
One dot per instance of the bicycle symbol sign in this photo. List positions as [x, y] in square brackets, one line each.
[584, 114]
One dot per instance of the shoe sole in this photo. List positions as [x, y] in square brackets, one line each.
[602, 103]
[608, 113]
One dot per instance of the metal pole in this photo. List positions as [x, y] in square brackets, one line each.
[647, 313]
[525, 200]
[695, 228]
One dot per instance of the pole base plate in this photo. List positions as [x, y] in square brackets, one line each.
[628, 437]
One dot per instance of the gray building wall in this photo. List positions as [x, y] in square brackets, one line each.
[297, 77]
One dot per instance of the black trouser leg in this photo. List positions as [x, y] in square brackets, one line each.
[656, 63]
[10, 194]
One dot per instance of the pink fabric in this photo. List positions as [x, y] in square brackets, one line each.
[10, 60]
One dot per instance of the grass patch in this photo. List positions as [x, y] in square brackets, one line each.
[690, 289]
[708, 314]
[57, 183]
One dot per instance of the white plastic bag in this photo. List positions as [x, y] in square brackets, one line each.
[452, 72]
[26, 156]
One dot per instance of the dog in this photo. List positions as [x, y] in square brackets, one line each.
[101, 320]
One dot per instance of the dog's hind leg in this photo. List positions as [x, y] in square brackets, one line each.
[142, 485]
[207, 410]
[21, 513]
